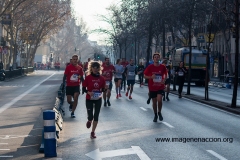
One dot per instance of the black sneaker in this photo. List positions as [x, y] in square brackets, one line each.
[148, 101]
[72, 115]
[160, 116]
[168, 99]
[108, 102]
[155, 119]
[70, 108]
[105, 104]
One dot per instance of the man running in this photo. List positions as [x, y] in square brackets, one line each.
[131, 71]
[156, 74]
[73, 73]
[107, 73]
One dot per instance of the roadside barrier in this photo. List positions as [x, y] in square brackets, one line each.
[49, 140]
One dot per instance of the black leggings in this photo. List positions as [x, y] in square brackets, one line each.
[140, 76]
[180, 84]
[123, 83]
[97, 106]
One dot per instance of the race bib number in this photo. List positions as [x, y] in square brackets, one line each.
[74, 78]
[96, 96]
[131, 73]
[157, 78]
[180, 73]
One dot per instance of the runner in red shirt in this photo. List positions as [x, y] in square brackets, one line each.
[93, 85]
[107, 73]
[73, 74]
[156, 74]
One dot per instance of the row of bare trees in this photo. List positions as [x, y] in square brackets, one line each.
[138, 22]
[35, 22]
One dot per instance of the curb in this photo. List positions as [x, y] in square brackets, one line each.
[213, 103]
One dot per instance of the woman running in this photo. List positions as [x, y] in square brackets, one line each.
[93, 85]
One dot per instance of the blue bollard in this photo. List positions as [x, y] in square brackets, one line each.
[50, 142]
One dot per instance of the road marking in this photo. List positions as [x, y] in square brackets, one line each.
[216, 155]
[3, 143]
[4, 149]
[167, 124]
[6, 106]
[143, 108]
[6, 156]
[13, 136]
[97, 155]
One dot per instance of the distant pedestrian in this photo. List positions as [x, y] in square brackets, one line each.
[118, 76]
[168, 81]
[181, 72]
[140, 73]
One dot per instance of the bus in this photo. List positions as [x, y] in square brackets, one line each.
[198, 64]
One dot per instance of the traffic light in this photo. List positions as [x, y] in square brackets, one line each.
[98, 56]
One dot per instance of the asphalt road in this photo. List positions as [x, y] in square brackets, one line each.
[22, 102]
[125, 130]
[128, 123]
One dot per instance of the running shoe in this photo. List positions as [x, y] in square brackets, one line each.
[155, 119]
[168, 99]
[92, 135]
[126, 94]
[88, 124]
[108, 103]
[148, 101]
[105, 104]
[130, 97]
[120, 95]
[160, 116]
[72, 115]
[117, 96]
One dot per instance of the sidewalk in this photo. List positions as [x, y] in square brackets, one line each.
[214, 103]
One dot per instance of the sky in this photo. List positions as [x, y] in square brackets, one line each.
[88, 9]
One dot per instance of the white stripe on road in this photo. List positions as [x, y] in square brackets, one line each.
[6, 156]
[4, 149]
[143, 108]
[6, 106]
[3, 143]
[167, 124]
[216, 155]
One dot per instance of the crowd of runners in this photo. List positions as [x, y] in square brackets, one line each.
[96, 77]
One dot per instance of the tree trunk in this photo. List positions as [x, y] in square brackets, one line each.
[149, 42]
[234, 97]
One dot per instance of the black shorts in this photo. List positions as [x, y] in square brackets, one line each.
[70, 90]
[168, 81]
[130, 82]
[110, 85]
[116, 79]
[153, 94]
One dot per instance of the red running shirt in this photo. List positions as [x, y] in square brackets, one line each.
[160, 72]
[94, 84]
[73, 72]
[107, 72]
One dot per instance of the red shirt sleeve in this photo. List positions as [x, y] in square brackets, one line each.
[147, 71]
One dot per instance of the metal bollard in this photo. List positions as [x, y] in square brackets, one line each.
[50, 142]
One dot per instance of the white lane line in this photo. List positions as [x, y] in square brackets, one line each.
[143, 108]
[6, 106]
[167, 124]
[4, 149]
[188, 99]
[216, 155]
[3, 143]
[6, 156]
